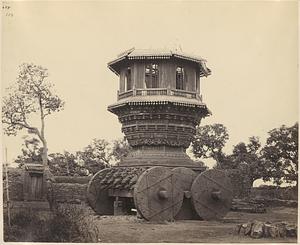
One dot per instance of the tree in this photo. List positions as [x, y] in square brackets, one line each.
[209, 142]
[248, 156]
[280, 155]
[65, 164]
[31, 152]
[95, 156]
[120, 149]
[31, 94]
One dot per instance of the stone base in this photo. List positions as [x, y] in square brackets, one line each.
[150, 156]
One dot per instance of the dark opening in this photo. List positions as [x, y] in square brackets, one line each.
[151, 76]
[180, 78]
[128, 85]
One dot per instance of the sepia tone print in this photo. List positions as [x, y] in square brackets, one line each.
[138, 122]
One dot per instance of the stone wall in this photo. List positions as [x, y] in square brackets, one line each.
[242, 187]
[68, 189]
[69, 192]
[72, 179]
[273, 192]
[65, 188]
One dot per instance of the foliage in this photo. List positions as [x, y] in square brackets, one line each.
[209, 141]
[65, 164]
[26, 227]
[70, 223]
[95, 156]
[31, 94]
[247, 158]
[280, 155]
[277, 160]
[81, 225]
[31, 152]
[120, 149]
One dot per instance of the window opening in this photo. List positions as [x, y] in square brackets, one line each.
[128, 85]
[180, 78]
[151, 75]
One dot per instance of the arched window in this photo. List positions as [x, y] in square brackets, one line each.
[180, 78]
[128, 85]
[151, 75]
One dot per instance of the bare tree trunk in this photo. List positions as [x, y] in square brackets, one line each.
[7, 188]
[45, 154]
[42, 136]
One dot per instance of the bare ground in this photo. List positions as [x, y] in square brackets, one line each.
[126, 229]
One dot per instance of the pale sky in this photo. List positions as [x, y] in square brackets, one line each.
[251, 48]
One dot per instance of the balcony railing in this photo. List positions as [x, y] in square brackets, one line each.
[151, 91]
[159, 91]
[126, 94]
[183, 93]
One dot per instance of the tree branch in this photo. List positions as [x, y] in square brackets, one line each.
[24, 125]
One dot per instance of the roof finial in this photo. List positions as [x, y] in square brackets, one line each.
[177, 45]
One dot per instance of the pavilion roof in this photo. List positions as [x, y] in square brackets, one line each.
[152, 54]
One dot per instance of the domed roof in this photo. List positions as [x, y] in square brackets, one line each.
[151, 54]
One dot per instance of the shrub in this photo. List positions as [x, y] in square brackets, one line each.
[81, 224]
[22, 225]
[69, 223]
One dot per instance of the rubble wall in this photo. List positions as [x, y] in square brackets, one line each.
[242, 187]
[65, 188]
[70, 189]
[273, 192]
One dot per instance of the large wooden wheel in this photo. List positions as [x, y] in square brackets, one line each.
[186, 177]
[212, 194]
[97, 194]
[158, 194]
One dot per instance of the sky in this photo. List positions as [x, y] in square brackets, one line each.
[251, 48]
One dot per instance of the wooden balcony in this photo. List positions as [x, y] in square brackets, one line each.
[158, 92]
[126, 94]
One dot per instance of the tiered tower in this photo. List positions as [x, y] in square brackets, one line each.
[159, 105]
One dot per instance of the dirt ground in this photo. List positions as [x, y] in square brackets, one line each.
[126, 229]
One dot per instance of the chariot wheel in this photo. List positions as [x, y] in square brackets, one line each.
[97, 194]
[186, 177]
[212, 194]
[158, 194]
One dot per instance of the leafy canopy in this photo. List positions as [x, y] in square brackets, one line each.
[209, 141]
[31, 94]
[280, 154]
[276, 161]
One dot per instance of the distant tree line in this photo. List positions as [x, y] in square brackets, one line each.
[99, 154]
[276, 161]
